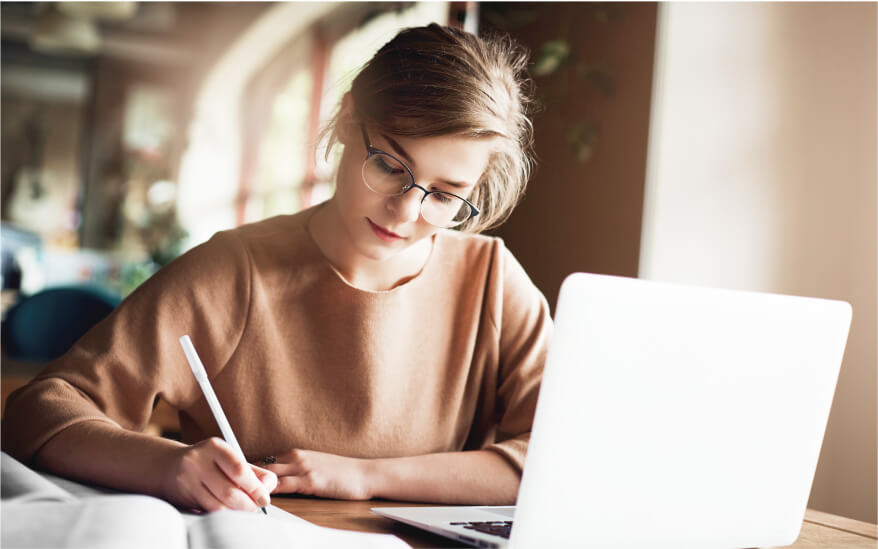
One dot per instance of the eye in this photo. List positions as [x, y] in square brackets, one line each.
[387, 165]
[442, 198]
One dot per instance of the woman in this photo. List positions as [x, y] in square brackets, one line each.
[359, 348]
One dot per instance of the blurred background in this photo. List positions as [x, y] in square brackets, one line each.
[729, 145]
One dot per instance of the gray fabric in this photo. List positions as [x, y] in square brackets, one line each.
[45, 511]
[233, 530]
[20, 484]
[111, 522]
[39, 510]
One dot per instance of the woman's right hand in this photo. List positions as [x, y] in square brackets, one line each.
[209, 475]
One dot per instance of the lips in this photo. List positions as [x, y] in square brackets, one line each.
[382, 233]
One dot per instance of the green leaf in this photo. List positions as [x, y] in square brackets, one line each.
[551, 56]
[583, 138]
[599, 77]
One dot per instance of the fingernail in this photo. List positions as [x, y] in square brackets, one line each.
[262, 501]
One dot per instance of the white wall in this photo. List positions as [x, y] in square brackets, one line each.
[762, 176]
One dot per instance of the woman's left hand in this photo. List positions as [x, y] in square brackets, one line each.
[320, 474]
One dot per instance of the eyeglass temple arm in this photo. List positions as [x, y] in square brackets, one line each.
[365, 136]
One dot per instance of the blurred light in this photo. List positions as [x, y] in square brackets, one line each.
[56, 31]
[161, 193]
[108, 11]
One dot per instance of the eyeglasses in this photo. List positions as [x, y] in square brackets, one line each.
[385, 174]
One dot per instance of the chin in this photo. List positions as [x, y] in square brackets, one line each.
[379, 252]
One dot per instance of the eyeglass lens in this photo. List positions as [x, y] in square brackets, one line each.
[385, 175]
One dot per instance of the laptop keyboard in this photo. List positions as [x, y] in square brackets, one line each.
[496, 527]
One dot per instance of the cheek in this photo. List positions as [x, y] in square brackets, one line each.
[349, 187]
[356, 202]
[425, 230]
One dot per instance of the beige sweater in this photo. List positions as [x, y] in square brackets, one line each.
[451, 360]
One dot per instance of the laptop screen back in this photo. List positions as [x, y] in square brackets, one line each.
[678, 416]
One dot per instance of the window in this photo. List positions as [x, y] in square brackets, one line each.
[287, 173]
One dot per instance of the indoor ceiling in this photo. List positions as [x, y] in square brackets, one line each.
[168, 33]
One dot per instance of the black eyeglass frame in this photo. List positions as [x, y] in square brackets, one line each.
[372, 151]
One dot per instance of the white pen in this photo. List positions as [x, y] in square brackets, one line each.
[212, 401]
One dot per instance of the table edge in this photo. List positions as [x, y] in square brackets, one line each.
[844, 524]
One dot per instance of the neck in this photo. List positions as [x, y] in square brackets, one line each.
[359, 270]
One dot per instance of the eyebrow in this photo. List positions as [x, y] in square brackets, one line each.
[398, 148]
[400, 151]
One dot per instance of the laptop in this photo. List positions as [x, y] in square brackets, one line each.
[668, 416]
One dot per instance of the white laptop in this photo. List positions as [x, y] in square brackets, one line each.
[669, 416]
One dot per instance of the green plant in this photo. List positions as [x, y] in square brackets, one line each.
[558, 67]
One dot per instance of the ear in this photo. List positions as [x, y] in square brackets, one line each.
[347, 127]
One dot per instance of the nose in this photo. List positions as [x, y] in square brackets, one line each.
[407, 206]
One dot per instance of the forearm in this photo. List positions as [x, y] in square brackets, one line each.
[101, 453]
[474, 478]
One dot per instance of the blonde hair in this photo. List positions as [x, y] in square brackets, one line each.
[435, 80]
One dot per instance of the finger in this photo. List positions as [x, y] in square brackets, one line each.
[267, 481]
[287, 469]
[205, 498]
[199, 471]
[228, 492]
[266, 477]
[223, 476]
[294, 485]
[241, 474]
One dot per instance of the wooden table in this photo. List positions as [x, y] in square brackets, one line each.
[819, 530]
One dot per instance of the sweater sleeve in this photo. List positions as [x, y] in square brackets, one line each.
[525, 329]
[117, 371]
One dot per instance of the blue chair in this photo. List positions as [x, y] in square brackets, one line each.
[43, 326]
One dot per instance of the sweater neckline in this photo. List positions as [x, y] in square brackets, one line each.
[413, 280]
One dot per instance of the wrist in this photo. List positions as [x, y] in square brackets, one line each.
[169, 463]
[372, 471]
